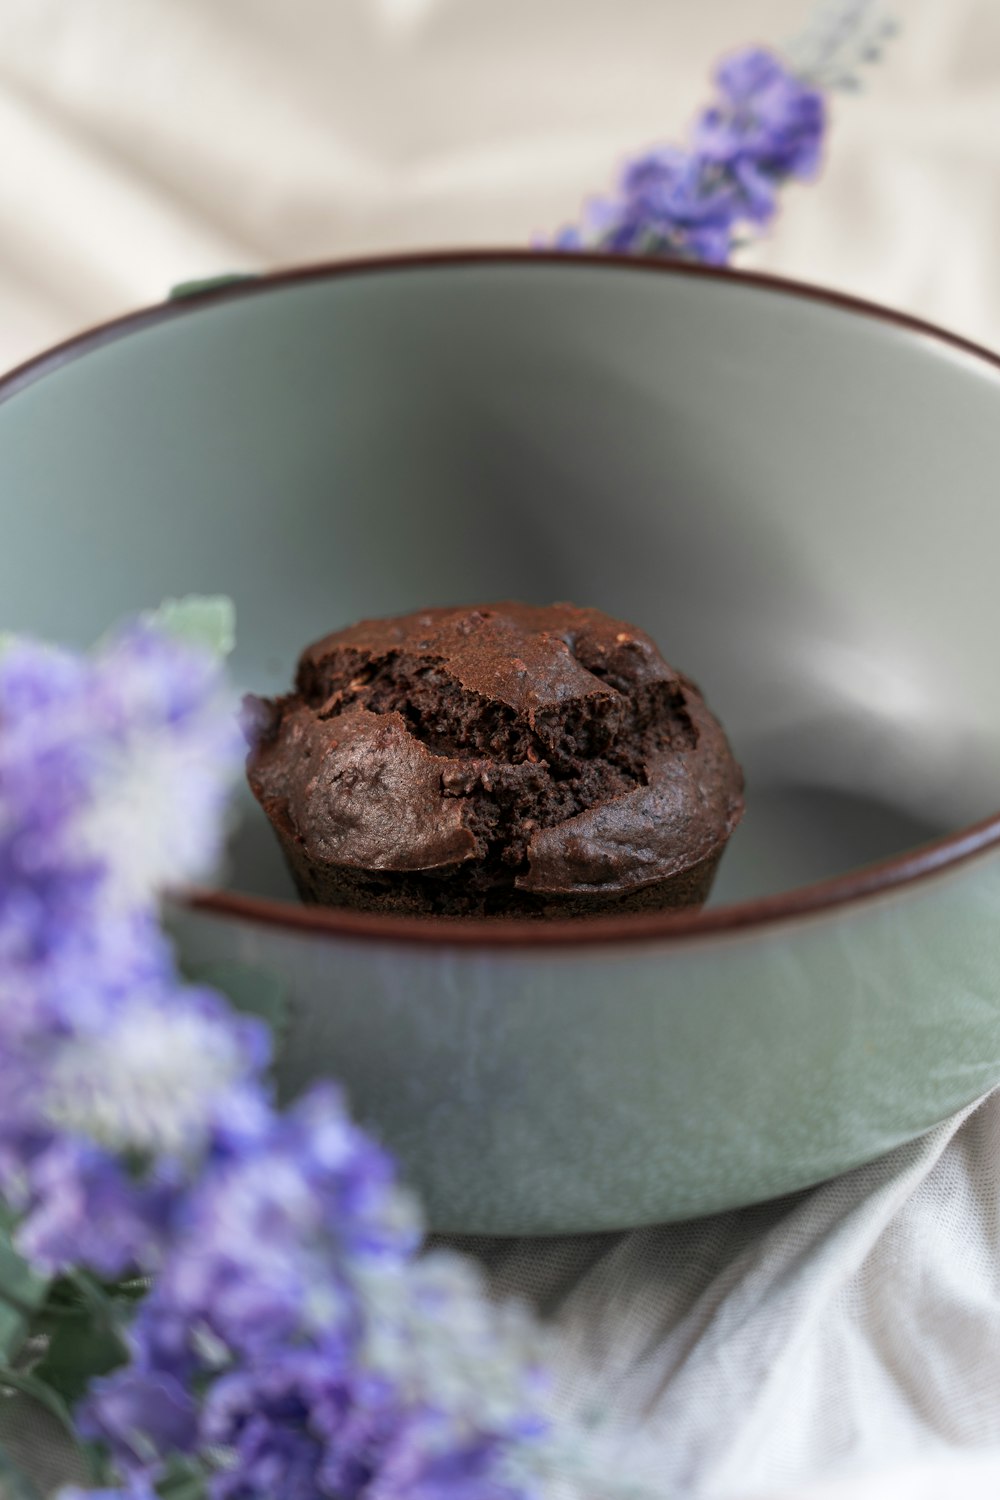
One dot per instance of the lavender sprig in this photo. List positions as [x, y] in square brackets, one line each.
[293, 1345]
[116, 1078]
[294, 1341]
[765, 128]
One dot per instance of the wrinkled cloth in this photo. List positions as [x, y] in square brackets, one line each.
[840, 1344]
[827, 1336]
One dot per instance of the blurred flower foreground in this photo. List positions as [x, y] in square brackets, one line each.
[293, 1341]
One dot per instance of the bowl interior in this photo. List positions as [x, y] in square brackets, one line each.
[797, 501]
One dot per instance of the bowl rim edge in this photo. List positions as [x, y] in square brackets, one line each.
[822, 897]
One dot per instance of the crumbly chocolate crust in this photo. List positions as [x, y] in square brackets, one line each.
[506, 760]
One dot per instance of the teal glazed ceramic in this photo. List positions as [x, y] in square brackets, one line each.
[796, 495]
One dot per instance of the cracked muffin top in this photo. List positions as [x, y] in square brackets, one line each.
[499, 758]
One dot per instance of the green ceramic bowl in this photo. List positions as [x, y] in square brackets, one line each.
[796, 495]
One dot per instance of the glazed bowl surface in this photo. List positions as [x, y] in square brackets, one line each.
[794, 494]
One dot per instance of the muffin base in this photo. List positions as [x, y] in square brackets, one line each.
[401, 893]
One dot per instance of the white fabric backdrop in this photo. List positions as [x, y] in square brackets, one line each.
[151, 141]
[842, 1342]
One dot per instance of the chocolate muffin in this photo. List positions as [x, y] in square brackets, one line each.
[498, 761]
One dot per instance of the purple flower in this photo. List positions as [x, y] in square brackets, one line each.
[267, 1238]
[149, 1414]
[306, 1426]
[155, 1078]
[332, 1359]
[569, 237]
[294, 1341]
[172, 745]
[114, 770]
[46, 765]
[85, 1209]
[160, 1075]
[689, 202]
[113, 773]
[139, 1489]
[683, 206]
[279, 1423]
[766, 119]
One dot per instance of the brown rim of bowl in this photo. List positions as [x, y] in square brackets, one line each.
[872, 880]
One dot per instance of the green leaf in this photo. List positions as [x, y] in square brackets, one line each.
[30, 1385]
[200, 619]
[183, 1480]
[183, 1489]
[251, 990]
[79, 1351]
[14, 1483]
[22, 1290]
[105, 1299]
[209, 284]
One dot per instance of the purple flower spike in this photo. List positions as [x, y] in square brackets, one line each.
[681, 205]
[333, 1360]
[765, 127]
[85, 1210]
[295, 1341]
[116, 1079]
[766, 119]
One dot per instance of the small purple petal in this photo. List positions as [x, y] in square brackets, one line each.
[143, 1419]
